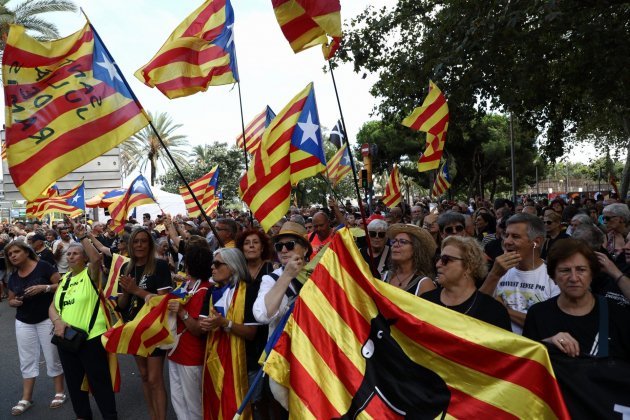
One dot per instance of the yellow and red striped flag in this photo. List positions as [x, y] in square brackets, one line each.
[66, 104]
[339, 165]
[291, 150]
[32, 206]
[199, 53]
[224, 380]
[355, 344]
[204, 189]
[306, 23]
[139, 192]
[254, 131]
[143, 334]
[442, 182]
[430, 158]
[432, 116]
[3, 154]
[105, 198]
[392, 194]
[111, 287]
[71, 202]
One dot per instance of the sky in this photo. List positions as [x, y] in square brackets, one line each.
[270, 73]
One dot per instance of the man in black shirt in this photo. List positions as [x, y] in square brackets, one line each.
[38, 243]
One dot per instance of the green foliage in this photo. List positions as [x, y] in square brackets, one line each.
[231, 166]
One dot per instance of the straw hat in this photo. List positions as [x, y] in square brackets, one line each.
[294, 230]
[422, 235]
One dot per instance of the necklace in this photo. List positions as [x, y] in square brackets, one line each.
[400, 282]
[469, 308]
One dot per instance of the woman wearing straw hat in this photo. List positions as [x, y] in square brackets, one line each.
[412, 250]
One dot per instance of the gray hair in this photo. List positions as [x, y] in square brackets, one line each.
[583, 219]
[298, 218]
[450, 217]
[377, 224]
[535, 226]
[618, 209]
[237, 263]
[590, 234]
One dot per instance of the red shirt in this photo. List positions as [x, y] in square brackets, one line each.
[190, 349]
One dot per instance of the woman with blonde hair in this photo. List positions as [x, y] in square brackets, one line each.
[460, 266]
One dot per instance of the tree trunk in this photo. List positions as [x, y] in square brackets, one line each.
[153, 172]
[625, 178]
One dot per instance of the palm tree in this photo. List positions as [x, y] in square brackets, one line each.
[144, 148]
[27, 14]
[201, 153]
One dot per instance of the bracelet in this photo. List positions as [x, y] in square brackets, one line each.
[56, 319]
[619, 278]
[81, 238]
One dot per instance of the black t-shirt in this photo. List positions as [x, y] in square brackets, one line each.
[478, 305]
[546, 319]
[159, 280]
[33, 309]
[47, 255]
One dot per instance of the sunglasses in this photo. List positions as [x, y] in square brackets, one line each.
[452, 229]
[290, 245]
[218, 264]
[400, 242]
[374, 234]
[445, 259]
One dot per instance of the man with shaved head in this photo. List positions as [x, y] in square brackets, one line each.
[322, 232]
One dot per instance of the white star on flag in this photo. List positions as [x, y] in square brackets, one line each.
[76, 198]
[230, 40]
[138, 185]
[309, 130]
[109, 66]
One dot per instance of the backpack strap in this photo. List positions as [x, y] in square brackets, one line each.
[602, 350]
[289, 292]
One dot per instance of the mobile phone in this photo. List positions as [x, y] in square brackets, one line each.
[69, 334]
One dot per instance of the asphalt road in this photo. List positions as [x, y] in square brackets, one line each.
[129, 402]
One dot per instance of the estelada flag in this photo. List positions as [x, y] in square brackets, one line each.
[72, 202]
[204, 189]
[32, 206]
[199, 53]
[392, 195]
[339, 165]
[291, 150]
[355, 344]
[255, 130]
[442, 182]
[306, 23]
[66, 103]
[111, 287]
[139, 192]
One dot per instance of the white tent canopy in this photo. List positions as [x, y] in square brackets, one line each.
[171, 203]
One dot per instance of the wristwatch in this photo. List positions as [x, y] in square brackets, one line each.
[47, 289]
[229, 326]
[185, 317]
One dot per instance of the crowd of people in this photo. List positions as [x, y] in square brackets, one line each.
[546, 270]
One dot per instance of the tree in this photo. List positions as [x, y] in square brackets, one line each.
[231, 167]
[558, 67]
[27, 14]
[144, 148]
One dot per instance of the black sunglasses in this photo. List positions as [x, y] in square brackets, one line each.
[290, 245]
[445, 259]
[218, 264]
[452, 229]
[374, 234]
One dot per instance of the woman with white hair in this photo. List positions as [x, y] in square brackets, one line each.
[377, 230]
[229, 323]
[616, 217]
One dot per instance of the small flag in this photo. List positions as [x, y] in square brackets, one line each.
[72, 203]
[204, 189]
[254, 131]
[442, 182]
[32, 206]
[111, 287]
[339, 165]
[337, 135]
[306, 23]
[392, 194]
[199, 53]
[139, 192]
[430, 158]
[68, 105]
[432, 116]
[291, 150]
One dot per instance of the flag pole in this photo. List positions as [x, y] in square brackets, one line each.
[240, 103]
[352, 164]
[168, 153]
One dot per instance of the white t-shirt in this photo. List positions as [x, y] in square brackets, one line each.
[521, 289]
[62, 262]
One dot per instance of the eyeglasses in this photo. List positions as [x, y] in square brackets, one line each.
[452, 229]
[374, 234]
[400, 242]
[218, 264]
[445, 259]
[290, 245]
